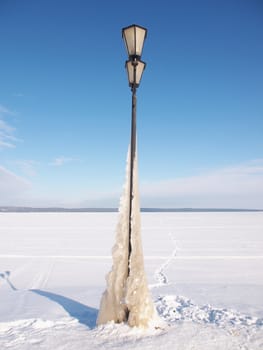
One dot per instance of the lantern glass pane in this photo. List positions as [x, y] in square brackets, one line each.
[129, 38]
[139, 37]
[130, 72]
[139, 71]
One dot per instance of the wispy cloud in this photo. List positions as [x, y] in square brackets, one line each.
[7, 138]
[59, 161]
[4, 110]
[18, 94]
[28, 167]
[239, 186]
[12, 187]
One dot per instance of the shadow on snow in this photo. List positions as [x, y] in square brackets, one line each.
[5, 275]
[84, 314]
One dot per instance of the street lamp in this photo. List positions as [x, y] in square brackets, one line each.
[133, 37]
[127, 297]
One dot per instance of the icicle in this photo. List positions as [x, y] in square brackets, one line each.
[112, 306]
[138, 298]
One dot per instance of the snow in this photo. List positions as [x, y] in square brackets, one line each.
[205, 274]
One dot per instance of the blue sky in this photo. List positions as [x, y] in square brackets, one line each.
[65, 104]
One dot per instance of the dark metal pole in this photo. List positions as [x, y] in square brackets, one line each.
[132, 155]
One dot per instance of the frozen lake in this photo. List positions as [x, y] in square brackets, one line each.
[51, 264]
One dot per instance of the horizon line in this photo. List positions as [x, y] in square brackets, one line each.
[4, 209]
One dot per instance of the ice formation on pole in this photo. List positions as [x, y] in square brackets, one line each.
[127, 298]
[112, 306]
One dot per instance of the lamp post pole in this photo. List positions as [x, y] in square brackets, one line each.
[134, 37]
[132, 155]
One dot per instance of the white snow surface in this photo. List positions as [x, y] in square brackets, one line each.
[205, 274]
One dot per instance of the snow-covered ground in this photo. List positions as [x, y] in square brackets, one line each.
[205, 272]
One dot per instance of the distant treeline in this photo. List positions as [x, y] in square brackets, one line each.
[113, 210]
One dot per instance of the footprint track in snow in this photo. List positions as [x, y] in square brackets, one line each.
[42, 275]
[160, 275]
